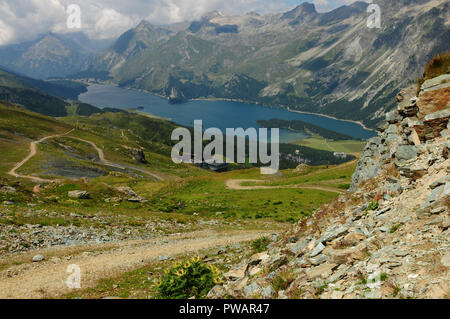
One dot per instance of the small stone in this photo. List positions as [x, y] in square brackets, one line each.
[324, 270]
[298, 248]
[343, 256]
[127, 191]
[445, 260]
[254, 271]
[137, 200]
[79, 195]
[332, 234]
[352, 239]
[251, 290]
[436, 221]
[236, 273]
[267, 293]
[440, 182]
[38, 258]
[163, 258]
[317, 250]
[318, 260]
[400, 253]
[438, 210]
[7, 189]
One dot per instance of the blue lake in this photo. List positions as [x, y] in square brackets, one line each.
[220, 114]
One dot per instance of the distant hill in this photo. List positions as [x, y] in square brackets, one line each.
[44, 97]
[300, 126]
[62, 89]
[50, 55]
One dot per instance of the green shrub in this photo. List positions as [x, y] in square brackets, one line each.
[373, 206]
[192, 278]
[261, 244]
[283, 280]
[394, 228]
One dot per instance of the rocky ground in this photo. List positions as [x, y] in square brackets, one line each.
[75, 229]
[389, 236]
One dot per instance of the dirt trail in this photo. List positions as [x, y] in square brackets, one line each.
[47, 279]
[33, 151]
[101, 155]
[105, 162]
[236, 184]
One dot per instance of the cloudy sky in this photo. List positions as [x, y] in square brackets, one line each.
[22, 20]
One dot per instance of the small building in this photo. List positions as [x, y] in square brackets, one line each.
[218, 167]
[214, 165]
[340, 155]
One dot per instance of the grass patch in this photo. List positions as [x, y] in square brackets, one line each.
[394, 228]
[320, 143]
[282, 281]
[260, 244]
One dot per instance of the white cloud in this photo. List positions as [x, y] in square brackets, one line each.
[6, 33]
[111, 23]
[25, 19]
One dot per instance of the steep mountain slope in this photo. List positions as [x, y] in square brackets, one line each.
[387, 239]
[44, 97]
[329, 63]
[61, 89]
[51, 55]
[18, 90]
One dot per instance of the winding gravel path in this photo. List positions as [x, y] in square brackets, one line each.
[101, 155]
[236, 184]
[33, 151]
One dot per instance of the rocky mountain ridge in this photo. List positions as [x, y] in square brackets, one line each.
[329, 63]
[51, 55]
[389, 237]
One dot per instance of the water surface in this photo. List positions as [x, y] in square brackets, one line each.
[220, 114]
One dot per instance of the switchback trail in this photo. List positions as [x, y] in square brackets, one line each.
[33, 151]
[101, 155]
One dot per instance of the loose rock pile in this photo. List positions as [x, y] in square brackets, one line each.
[388, 238]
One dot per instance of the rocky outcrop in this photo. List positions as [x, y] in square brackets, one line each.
[406, 134]
[138, 155]
[79, 195]
[176, 96]
[387, 238]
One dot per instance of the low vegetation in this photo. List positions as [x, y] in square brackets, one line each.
[191, 278]
[260, 244]
[440, 64]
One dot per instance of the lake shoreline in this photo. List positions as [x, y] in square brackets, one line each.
[213, 99]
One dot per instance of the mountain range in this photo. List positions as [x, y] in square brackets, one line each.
[51, 55]
[329, 63]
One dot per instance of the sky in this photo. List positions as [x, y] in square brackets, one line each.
[22, 20]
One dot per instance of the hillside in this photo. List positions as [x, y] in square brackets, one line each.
[101, 190]
[300, 126]
[328, 63]
[50, 55]
[389, 237]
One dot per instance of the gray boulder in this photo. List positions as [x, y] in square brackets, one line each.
[79, 195]
[405, 153]
[38, 258]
